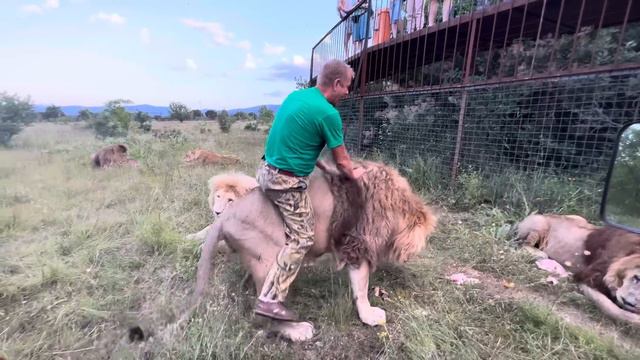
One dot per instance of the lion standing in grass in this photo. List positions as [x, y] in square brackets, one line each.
[378, 219]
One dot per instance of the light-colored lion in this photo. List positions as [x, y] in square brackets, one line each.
[224, 189]
[612, 273]
[206, 157]
[378, 218]
[112, 155]
[560, 237]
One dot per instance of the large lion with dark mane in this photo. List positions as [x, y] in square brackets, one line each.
[612, 273]
[112, 155]
[363, 223]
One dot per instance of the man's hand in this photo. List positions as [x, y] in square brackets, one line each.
[344, 164]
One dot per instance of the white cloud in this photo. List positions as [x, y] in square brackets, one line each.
[299, 61]
[273, 49]
[145, 36]
[32, 9]
[244, 44]
[112, 18]
[190, 64]
[289, 69]
[216, 30]
[250, 62]
[39, 9]
[51, 4]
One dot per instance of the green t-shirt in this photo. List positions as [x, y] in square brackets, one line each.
[304, 124]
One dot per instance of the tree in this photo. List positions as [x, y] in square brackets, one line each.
[265, 115]
[85, 115]
[179, 111]
[224, 121]
[144, 121]
[240, 115]
[253, 116]
[211, 114]
[196, 114]
[15, 113]
[301, 83]
[114, 120]
[52, 112]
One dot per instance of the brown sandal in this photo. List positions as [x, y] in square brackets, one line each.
[275, 310]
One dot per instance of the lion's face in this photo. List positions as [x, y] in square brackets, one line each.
[623, 279]
[221, 199]
[628, 295]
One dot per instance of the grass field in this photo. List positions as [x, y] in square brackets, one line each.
[86, 255]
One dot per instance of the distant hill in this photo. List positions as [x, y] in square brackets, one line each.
[73, 110]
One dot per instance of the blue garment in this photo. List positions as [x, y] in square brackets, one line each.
[395, 10]
[360, 22]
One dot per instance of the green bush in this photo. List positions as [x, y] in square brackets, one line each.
[15, 113]
[114, 120]
[251, 126]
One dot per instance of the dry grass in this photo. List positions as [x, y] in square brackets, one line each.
[86, 255]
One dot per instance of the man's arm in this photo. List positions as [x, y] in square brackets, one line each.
[344, 163]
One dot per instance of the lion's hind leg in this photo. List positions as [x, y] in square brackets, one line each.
[359, 277]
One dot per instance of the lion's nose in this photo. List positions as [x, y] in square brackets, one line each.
[218, 212]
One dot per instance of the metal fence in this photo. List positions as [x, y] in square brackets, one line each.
[496, 88]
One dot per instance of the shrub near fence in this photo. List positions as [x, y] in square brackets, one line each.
[536, 145]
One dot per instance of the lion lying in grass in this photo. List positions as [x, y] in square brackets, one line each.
[379, 218]
[206, 157]
[560, 237]
[612, 273]
[606, 261]
[112, 155]
[224, 189]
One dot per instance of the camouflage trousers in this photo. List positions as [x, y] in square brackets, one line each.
[290, 195]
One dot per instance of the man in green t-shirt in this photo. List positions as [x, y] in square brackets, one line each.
[306, 122]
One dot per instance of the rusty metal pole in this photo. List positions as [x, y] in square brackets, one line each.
[363, 80]
[463, 103]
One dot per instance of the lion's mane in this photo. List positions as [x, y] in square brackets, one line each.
[379, 218]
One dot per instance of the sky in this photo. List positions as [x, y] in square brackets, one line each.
[203, 53]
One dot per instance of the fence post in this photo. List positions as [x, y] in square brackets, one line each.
[363, 78]
[463, 102]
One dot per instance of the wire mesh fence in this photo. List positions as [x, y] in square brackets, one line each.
[529, 134]
[518, 101]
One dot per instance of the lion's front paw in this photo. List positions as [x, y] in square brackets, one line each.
[297, 331]
[372, 316]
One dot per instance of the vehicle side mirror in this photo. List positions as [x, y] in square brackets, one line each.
[620, 205]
